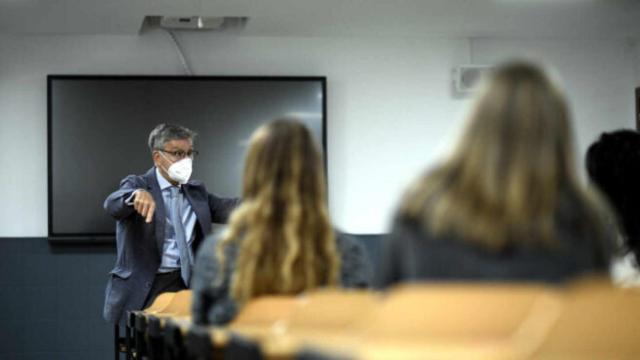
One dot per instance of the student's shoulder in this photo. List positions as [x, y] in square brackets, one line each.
[349, 244]
[209, 244]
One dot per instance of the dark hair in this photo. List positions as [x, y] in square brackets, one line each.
[613, 164]
[164, 133]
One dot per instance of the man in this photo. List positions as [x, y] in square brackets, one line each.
[162, 217]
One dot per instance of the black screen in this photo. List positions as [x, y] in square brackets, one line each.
[99, 127]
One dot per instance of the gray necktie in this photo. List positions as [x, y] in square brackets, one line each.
[183, 247]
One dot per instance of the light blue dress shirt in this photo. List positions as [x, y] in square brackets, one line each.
[170, 252]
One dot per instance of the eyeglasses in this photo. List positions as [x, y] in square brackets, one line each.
[179, 154]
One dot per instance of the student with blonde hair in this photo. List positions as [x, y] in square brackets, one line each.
[280, 239]
[507, 204]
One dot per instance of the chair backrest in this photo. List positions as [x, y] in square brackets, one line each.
[599, 321]
[460, 320]
[265, 311]
[180, 304]
[333, 310]
[160, 303]
[460, 310]
[281, 325]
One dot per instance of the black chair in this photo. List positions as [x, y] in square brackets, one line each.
[199, 346]
[139, 335]
[242, 348]
[315, 354]
[174, 342]
[130, 326]
[123, 345]
[155, 338]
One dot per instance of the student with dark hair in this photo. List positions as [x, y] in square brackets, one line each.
[280, 239]
[613, 164]
[507, 204]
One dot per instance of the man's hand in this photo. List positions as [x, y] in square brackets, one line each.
[144, 204]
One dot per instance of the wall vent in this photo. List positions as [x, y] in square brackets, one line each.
[466, 78]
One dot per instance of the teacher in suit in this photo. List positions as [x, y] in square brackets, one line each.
[162, 216]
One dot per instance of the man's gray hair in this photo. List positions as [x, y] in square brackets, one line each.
[164, 133]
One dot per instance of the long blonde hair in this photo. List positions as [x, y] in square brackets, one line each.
[285, 240]
[512, 172]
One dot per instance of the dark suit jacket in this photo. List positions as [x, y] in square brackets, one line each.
[140, 244]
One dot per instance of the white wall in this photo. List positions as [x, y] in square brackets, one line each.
[391, 112]
[598, 76]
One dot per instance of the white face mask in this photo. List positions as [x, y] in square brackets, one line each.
[180, 171]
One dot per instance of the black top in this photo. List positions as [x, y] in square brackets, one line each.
[412, 254]
[212, 304]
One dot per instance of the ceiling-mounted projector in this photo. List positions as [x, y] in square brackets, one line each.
[202, 22]
[191, 22]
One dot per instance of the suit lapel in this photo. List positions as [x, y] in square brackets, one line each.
[159, 216]
[194, 204]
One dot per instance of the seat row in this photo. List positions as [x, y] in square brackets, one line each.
[587, 319]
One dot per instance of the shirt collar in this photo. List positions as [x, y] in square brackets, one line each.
[164, 183]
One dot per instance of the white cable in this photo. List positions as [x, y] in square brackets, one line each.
[183, 60]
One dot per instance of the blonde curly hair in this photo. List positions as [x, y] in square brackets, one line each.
[286, 243]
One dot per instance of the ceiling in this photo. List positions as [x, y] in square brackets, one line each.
[601, 19]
